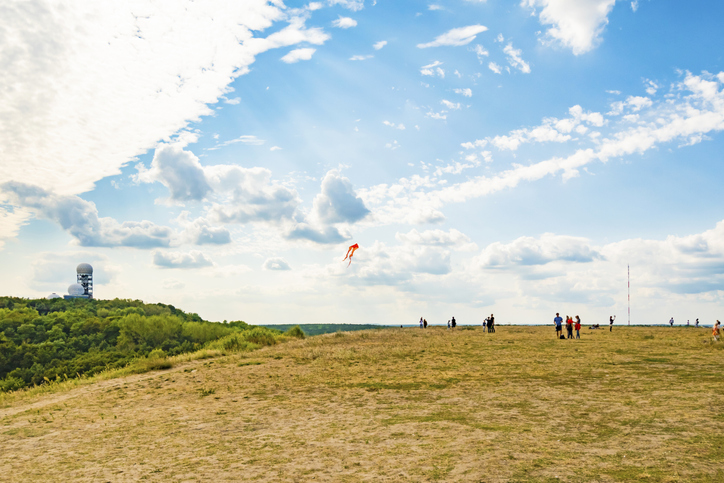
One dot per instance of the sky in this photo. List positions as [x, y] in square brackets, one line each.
[487, 156]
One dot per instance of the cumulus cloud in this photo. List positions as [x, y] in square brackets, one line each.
[379, 45]
[80, 219]
[192, 259]
[576, 24]
[344, 22]
[480, 52]
[495, 68]
[298, 54]
[453, 106]
[538, 251]
[276, 263]
[179, 170]
[338, 202]
[361, 57]
[393, 125]
[201, 232]
[515, 59]
[455, 37]
[122, 81]
[464, 92]
[354, 5]
[322, 235]
[436, 238]
[249, 195]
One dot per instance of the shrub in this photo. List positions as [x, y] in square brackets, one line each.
[296, 331]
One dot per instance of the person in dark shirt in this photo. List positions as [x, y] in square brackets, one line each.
[491, 324]
[454, 324]
[610, 323]
[559, 325]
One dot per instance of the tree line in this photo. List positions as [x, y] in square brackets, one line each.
[43, 340]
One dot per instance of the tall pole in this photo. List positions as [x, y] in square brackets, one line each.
[628, 279]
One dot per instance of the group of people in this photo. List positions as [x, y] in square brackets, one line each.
[488, 323]
[570, 325]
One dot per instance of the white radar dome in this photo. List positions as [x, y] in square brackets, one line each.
[53, 296]
[76, 289]
[84, 268]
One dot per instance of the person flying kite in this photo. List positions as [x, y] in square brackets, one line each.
[350, 252]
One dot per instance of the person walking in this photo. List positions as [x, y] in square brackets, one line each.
[569, 327]
[558, 321]
[671, 322]
[491, 324]
[610, 323]
[578, 327]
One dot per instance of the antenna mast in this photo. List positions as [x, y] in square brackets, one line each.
[628, 280]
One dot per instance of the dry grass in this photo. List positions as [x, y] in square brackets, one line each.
[638, 404]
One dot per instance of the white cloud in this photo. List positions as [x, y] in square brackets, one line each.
[434, 7]
[500, 38]
[635, 5]
[344, 22]
[576, 24]
[68, 137]
[436, 238]
[312, 6]
[480, 52]
[276, 263]
[515, 59]
[233, 102]
[450, 105]
[201, 232]
[192, 259]
[699, 110]
[354, 5]
[249, 195]
[495, 68]
[436, 115]
[80, 219]
[337, 201]
[538, 251]
[433, 69]
[455, 37]
[651, 87]
[298, 54]
[393, 125]
[55, 271]
[464, 92]
[179, 170]
[634, 103]
[274, 148]
[379, 45]
[361, 57]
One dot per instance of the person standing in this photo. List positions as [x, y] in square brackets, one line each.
[454, 324]
[696, 323]
[569, 327]
[610, 323]
[491, 324]
[671, 322]
[448, 325]
[687, 322]
[578, 327]
[715, 331]
[421, 322]
[559, 325]
[424, 323]
[485, 324]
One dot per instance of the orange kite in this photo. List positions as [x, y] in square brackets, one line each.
[350, 252]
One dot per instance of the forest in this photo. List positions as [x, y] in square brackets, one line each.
[45, 340]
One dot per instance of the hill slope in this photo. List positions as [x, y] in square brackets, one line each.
[395, 404]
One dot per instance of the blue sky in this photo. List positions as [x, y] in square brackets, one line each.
[487, 156]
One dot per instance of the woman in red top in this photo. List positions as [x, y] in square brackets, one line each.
[578, 327]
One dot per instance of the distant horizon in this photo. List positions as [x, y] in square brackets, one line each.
[484, 156]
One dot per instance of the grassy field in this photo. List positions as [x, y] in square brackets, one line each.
[637, 404]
